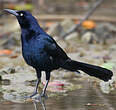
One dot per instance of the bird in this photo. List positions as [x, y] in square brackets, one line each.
[42, 52]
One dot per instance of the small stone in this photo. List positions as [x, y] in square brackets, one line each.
[55, 30]
[89, 37]
[104, 30]
[7, 70]
[106, 87]
[72, 36]
[11, 70]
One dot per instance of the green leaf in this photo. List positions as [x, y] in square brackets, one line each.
[108, 65]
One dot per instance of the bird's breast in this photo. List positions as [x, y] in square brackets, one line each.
[36, 57]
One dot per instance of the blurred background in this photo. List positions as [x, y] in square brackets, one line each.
[85, 29]
[59, 6]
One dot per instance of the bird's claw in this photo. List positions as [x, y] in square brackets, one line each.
[31, 96]
[42, 95]
[27, 97]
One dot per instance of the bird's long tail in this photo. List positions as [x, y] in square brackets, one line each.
[92, 70]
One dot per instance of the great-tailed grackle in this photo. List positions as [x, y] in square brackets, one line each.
[42, 52]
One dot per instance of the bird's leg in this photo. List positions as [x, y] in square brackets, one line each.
[36, 87]
[43, 94]
[37, 83]
[35, 91]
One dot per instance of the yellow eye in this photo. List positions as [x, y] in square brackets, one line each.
[21, 14]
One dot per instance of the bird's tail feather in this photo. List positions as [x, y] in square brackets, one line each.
[92, 70]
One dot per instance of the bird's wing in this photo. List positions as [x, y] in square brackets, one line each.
[54, 50]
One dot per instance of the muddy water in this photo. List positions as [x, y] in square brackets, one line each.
[89, 97]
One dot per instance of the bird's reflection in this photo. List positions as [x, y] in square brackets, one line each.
[37, 105]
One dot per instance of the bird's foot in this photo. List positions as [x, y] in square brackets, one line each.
[42, 95]
[31, 96]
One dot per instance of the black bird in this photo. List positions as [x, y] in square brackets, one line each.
[42, 52]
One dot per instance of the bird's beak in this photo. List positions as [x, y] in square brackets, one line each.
[14, 12]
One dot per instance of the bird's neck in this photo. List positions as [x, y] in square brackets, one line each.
[31, 32]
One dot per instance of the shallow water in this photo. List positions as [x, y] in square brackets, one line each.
[89, 97]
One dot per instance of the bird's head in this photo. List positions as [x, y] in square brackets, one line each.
[25, 18]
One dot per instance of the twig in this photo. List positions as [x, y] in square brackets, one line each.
[89, 13]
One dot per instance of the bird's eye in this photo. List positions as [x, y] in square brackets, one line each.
[21, 14]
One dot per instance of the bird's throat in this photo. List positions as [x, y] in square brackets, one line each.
[29, 34]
